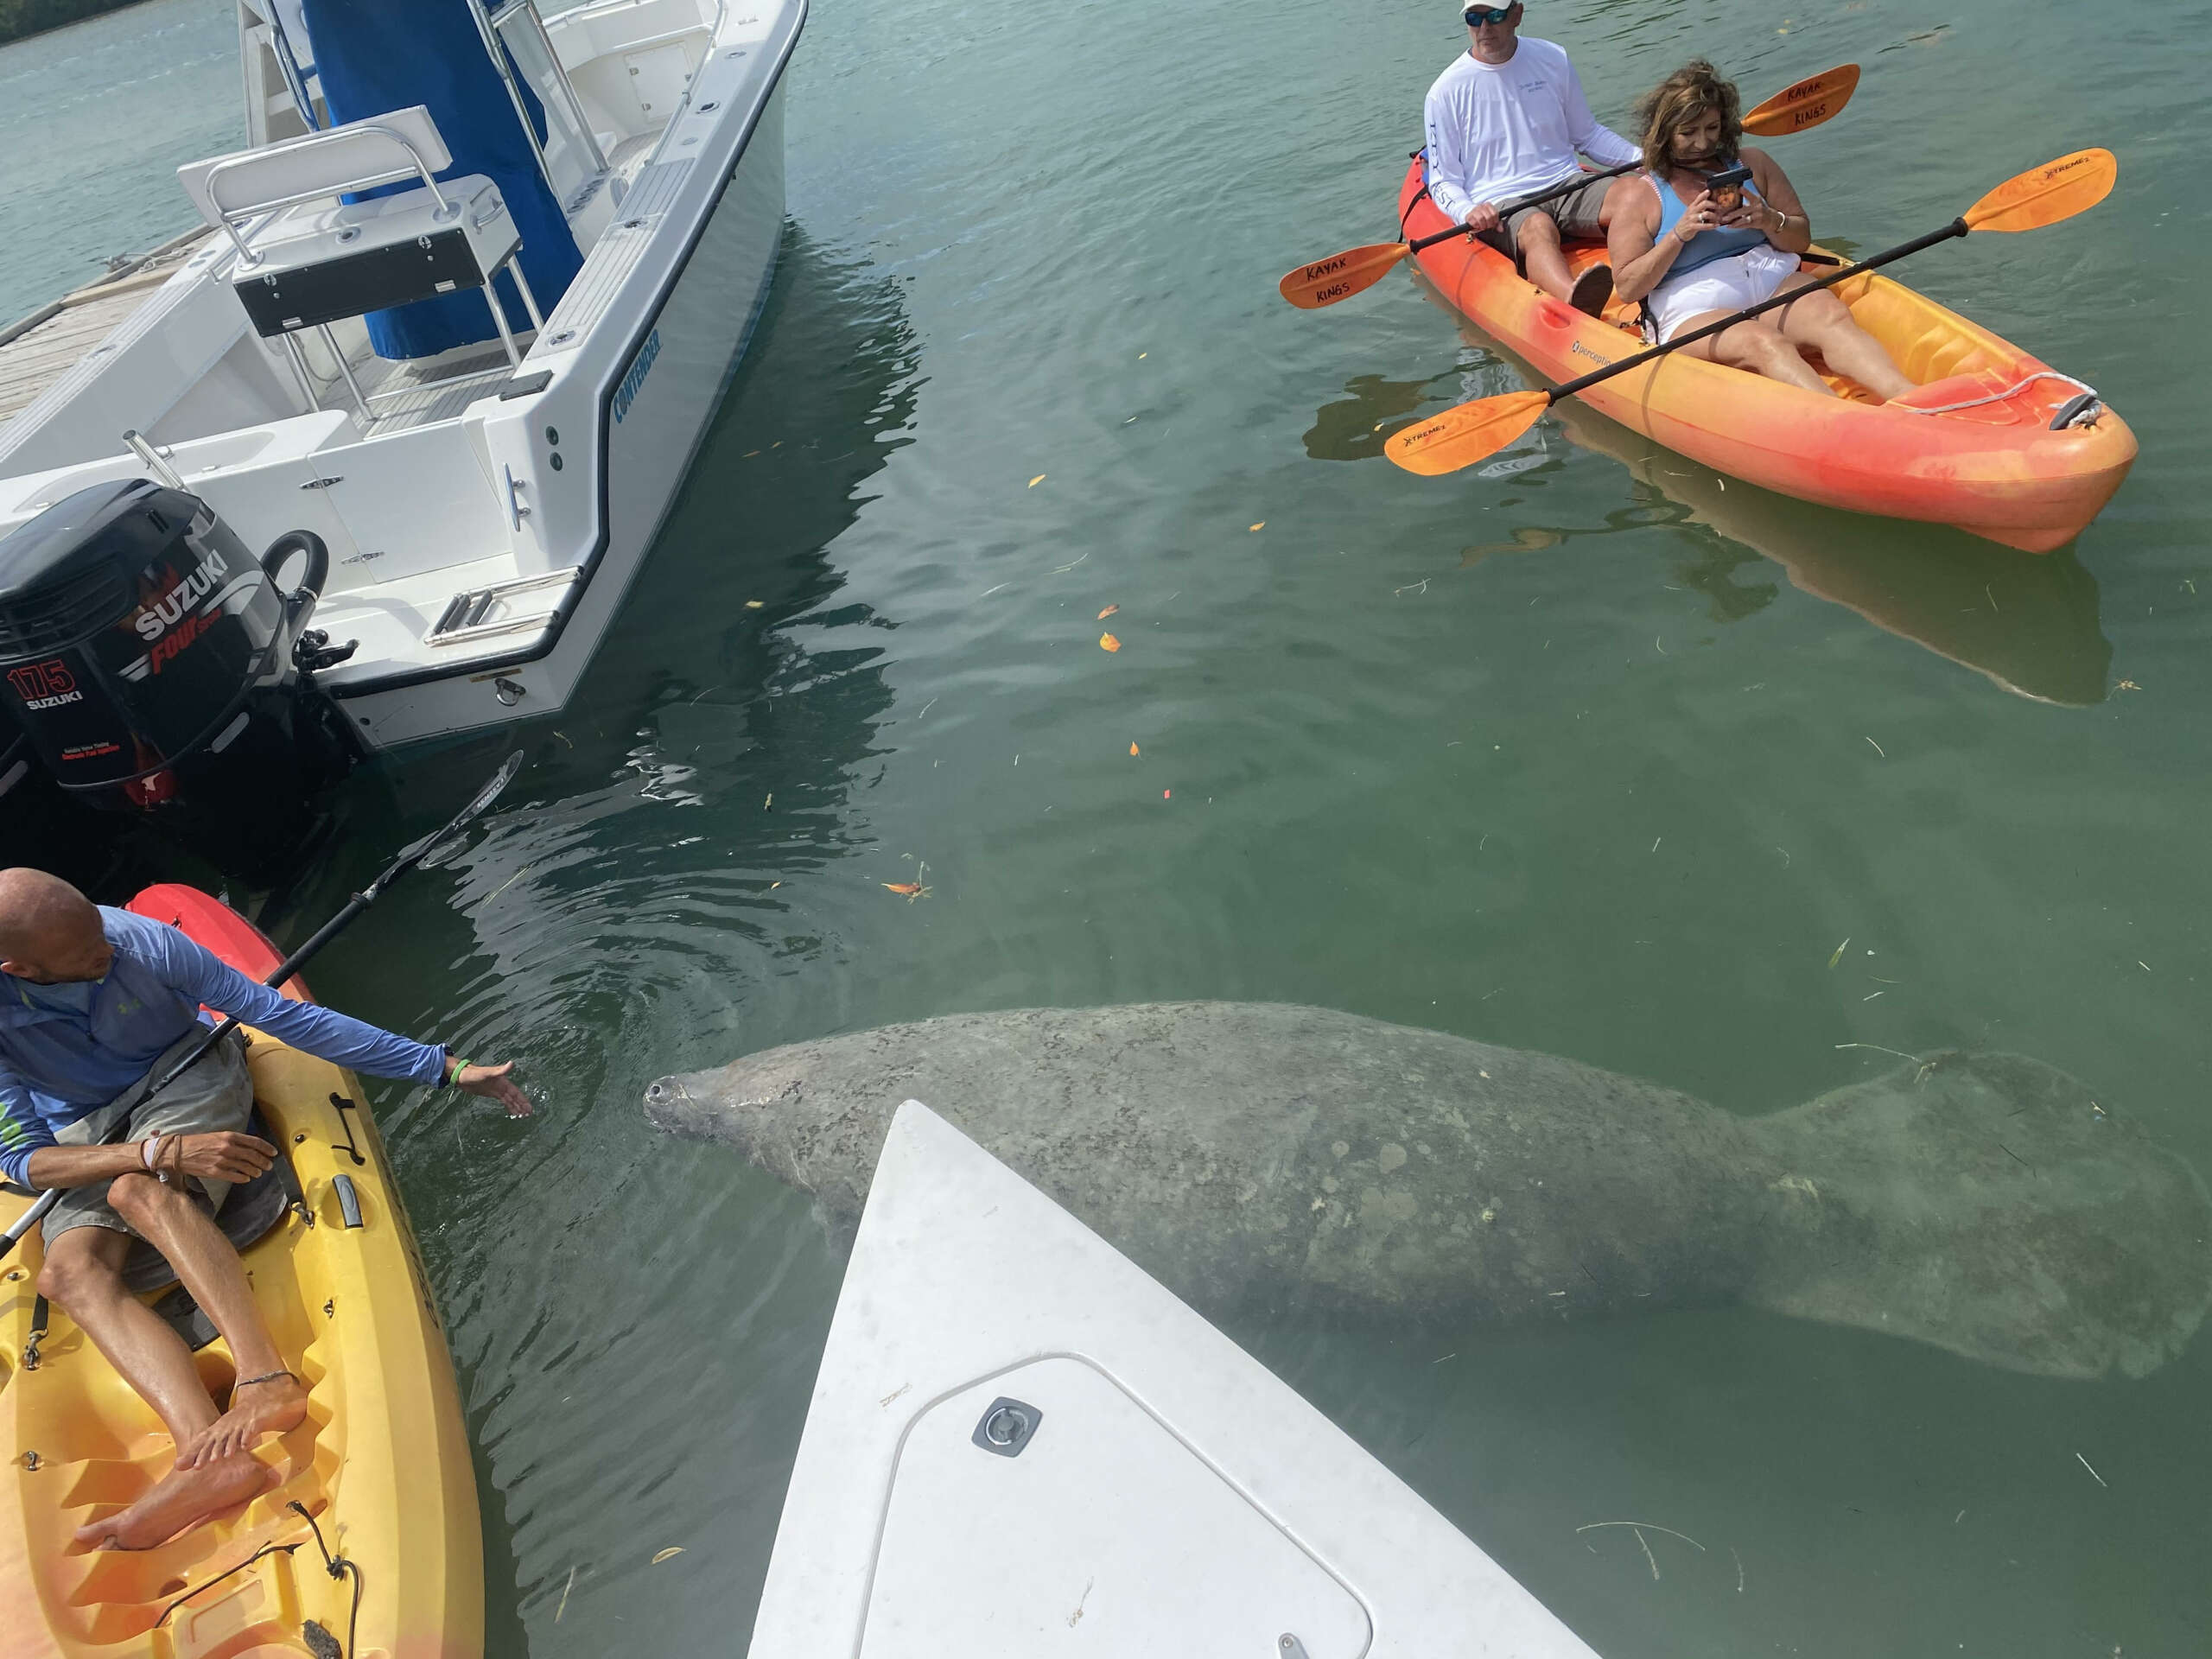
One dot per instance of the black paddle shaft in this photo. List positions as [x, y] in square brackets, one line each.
[1563, 188]
[1956, 227]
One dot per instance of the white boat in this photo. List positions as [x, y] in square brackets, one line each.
[483, 503]
[1020, 1445]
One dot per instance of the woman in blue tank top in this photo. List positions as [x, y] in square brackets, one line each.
[1691, 264]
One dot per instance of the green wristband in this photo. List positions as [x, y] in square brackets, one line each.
[459, 1066]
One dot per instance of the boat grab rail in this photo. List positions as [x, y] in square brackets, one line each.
[353, 130]
[468, 617]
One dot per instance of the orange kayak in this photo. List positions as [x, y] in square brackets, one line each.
[378, 1477]
[1974, 447]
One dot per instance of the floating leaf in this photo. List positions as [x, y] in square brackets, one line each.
[1133, 748]
[1108, 642]
[673, 1549]
[1035, 481]
[909, 891]
[754, 604]
[1107, 612]
[1838, 957]
[1262, 525]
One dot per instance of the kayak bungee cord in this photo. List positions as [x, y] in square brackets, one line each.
[337, 1566]
[2070, 412]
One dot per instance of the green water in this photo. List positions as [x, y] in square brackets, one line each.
[1617, 794]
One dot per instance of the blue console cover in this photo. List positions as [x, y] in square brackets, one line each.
[375, 56]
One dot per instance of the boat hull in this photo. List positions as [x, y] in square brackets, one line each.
[1996, 470]
[648, 394]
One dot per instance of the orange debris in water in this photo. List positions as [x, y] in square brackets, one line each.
[1108, 642]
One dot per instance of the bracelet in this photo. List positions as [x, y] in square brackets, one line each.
[459, 1066]
[149, 1149]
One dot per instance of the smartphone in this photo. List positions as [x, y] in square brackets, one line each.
[1727, 188]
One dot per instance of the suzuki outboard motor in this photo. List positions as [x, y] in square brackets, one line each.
[156, 668]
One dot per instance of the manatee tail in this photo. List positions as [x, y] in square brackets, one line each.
[1990, 1204]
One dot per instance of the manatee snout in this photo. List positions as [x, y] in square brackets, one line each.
[670, 1107]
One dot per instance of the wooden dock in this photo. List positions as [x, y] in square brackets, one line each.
[41, 347]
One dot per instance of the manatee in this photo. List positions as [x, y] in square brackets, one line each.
[1260, 1154]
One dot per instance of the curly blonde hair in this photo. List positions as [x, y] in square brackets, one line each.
[1680, 99]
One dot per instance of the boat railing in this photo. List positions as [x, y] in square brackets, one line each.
[507, 54]
[274, 158]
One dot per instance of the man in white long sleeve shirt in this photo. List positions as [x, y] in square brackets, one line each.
[1505, 122]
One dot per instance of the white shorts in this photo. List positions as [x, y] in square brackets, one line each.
[1740, 280]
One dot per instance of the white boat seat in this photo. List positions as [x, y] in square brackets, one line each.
[316, 265]
[338, 161]
[308, 258]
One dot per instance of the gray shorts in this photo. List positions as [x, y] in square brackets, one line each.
[1577, 214]
[216, 1094]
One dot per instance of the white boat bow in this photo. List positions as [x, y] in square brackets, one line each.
[1020, 1445]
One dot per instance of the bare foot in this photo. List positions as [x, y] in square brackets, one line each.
[183, 1498]
[257, 1407]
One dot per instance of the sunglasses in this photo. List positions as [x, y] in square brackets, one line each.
[1475, 15]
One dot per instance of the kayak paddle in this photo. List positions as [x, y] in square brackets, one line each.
[410, 855]
[1794, 109]
[2044, 195]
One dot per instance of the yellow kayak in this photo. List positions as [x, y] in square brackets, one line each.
[368, 1543]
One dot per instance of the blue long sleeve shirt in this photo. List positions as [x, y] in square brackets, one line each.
[66, 1051]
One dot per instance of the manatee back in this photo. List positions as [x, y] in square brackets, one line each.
[1264, 1152]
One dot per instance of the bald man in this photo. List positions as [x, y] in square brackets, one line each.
[95, 1004]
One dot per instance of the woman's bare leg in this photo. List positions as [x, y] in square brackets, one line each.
[1755, 347]
[1825, 323]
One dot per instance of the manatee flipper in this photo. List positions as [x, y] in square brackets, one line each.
[1986, 1204]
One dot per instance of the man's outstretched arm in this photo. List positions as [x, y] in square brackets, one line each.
[326, 1034]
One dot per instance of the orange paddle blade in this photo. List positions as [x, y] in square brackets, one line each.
[1462, 435]
[1806, 104]
[2072, 184]
[1341, 275]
